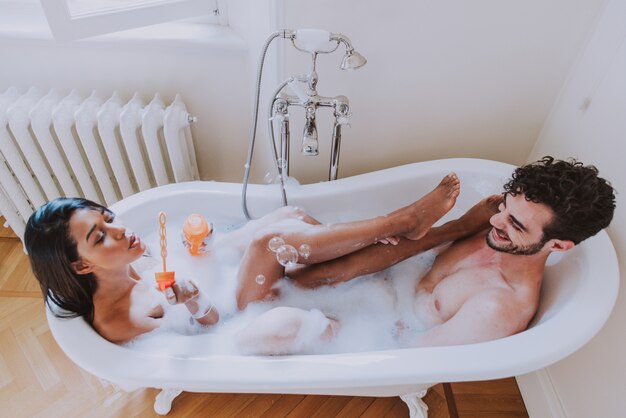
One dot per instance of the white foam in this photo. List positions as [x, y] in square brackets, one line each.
[367, 308]
[282, 330]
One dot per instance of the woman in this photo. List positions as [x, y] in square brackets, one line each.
[81, 258]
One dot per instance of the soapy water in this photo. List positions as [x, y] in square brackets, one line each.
[366, 308]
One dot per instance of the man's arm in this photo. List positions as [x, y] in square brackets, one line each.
[486, 316]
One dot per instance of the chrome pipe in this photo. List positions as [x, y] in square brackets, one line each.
[255, 116]
[283, 167]
[342, 113]
[335, 146]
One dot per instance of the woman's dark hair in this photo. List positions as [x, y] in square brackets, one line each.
[52, 251]
[583, 203]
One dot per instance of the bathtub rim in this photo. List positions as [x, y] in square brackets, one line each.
[336, 372]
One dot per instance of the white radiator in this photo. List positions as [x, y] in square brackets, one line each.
[100, 149]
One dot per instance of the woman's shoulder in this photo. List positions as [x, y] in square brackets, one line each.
[122, 328]
[124, 319]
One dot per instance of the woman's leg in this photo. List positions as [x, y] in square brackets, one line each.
[379, 257]
[286, 330]
[328, 242]
[241, 237]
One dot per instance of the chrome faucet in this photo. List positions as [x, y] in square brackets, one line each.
[310, 145]
[314, 42]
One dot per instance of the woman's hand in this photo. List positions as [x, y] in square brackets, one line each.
[197, 303]
[181, 292]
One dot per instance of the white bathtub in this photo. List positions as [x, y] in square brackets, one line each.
[578, 295]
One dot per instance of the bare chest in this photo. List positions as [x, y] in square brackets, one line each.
[451, 292]
[455, 277]
[137, 304]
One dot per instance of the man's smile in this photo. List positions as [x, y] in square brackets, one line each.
[499, 235]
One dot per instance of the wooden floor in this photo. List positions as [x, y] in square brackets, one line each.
[38, 380]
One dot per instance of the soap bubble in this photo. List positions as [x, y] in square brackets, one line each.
[270, 178]
[275, 243]
[260, 279]
[305, 251]
[287, 255]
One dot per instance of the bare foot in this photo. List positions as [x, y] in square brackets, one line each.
[477, 217]
[430, 208]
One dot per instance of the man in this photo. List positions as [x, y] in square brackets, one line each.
[487, 286]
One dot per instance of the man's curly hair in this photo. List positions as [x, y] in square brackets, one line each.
[583, 203]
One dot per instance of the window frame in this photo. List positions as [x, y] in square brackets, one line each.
[66, 27]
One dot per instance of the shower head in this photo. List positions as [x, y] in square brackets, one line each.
[352, 60]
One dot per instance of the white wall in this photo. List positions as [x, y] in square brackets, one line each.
[444, 79]
[591, 382]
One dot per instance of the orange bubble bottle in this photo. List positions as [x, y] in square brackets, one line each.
[163, 278]
[195, 230]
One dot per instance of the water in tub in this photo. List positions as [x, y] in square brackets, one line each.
[367, 308]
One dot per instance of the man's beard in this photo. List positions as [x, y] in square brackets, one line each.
[510, 248]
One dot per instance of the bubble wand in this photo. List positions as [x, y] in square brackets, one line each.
[165, 278]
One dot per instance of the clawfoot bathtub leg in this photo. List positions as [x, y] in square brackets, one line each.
[417, 407]
[163, 401]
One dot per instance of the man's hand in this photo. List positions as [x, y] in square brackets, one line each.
[393, 240]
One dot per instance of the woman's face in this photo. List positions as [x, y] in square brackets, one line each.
[103, 244]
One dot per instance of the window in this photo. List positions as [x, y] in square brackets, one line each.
[75, 19]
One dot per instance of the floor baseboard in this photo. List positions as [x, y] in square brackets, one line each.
[540, 396]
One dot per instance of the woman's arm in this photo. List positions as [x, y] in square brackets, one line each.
[196, 301]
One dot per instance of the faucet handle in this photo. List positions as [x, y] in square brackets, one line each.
[344, 120]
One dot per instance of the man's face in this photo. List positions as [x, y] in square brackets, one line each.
[518, 227]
